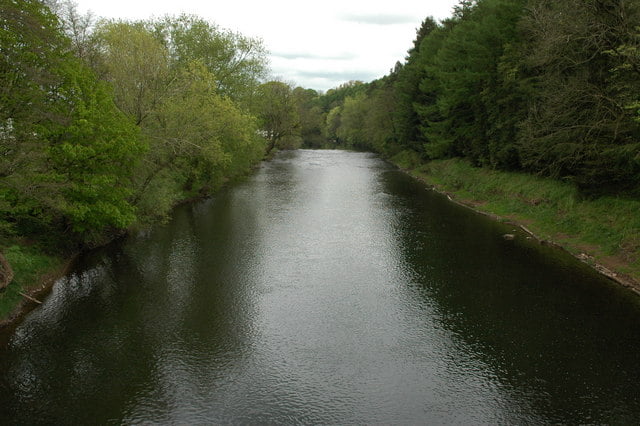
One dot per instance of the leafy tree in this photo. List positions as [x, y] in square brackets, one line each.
[381, 117]
[336, 97]
[580, 126]
[238, 62]
[332, 124]
[466, 66]
[66, 149]
[407, 78]
[136, 64]
[31, 57]
[352, 128]
[310, 116]
[78, 28]
[278, 115]
[93, 158]
[198, 139]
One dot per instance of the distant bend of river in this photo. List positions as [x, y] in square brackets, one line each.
[328, 288]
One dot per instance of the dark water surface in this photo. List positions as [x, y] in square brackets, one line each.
[328, 288]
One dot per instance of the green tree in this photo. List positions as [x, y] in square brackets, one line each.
[32, 55]
[278, 115]
[381, 117]
[580, 126]
[353, 130]
[466, 67]
[136, 64]
[78, 28]
[239, 63]
[332, 124]
[67, 151]
[407, 78]
[311, 117]
[92, 159]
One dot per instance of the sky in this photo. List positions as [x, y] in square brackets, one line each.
[317, 45]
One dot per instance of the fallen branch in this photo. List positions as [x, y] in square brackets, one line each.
[26, 296]
[525, 229]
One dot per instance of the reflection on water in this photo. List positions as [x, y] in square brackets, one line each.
[328, 288]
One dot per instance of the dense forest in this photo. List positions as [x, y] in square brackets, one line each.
[546, 87]
[107, 124]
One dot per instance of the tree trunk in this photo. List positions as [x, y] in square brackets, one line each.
[272, 144]
[6, 273]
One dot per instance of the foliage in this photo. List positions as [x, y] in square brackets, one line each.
[238, 62]
[535, 85]
[310, 116]
[198, 130]
[93, 157]
[278, 115]
[67, 149]
[407, 79]
[353, 116]
[137, 66]
[335, 97]
[107, 126]
[579, 126]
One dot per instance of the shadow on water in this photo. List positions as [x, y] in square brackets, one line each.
[118, 330]
[558, 336]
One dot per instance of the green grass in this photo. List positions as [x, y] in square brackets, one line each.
[29, 265]
[607, 228]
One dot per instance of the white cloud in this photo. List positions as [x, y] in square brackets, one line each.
[314, 44]
[377, 19]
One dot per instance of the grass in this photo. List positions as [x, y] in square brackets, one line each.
[29, 266]
[607, 228]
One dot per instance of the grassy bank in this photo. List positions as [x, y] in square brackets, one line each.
[605, 230]
[31, 267]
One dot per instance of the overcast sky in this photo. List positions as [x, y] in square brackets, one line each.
[318, 44]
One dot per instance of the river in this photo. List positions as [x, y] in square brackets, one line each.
[327, 288]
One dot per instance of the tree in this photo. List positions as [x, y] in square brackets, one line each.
[238, 62]
[67, 151]
[32, 53]
[78, 28]
[352, 128]
[92, 159]
[580, 126]
[467, 87]
[277, 114]
[198, 131]
[381, 118]
[311, 117]
[407, 78]
[332, 124]
[136, 64]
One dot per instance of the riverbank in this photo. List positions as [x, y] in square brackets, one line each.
[602, 232]
[34, 273]
[35, 269]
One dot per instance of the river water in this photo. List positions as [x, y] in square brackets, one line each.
[328, 288]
